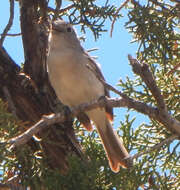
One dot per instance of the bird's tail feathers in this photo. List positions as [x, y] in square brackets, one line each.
[113, 145]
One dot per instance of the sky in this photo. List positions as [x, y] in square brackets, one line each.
[112, 53]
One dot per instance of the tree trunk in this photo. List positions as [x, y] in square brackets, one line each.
[29, 99]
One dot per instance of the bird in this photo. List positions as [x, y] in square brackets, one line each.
[76, 78]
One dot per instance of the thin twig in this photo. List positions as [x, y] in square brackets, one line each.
[155, 147]
[50, 9]
[172, 71]
[10, 22]
[93, 49]
[116, 14]
[13, 35]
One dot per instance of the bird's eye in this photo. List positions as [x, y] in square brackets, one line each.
[69, 29]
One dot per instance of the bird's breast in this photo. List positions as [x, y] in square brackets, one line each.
[71, 79]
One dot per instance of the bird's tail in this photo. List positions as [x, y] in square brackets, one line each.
[113, 145]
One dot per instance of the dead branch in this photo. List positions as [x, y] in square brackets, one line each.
[144, 72]
[43, 123]
[61, 117]
[162, 116]
[10, 22]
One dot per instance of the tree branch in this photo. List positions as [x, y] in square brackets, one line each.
[155, 147]
[10, 22]
[12, 35]
[43, 123]
[115, 16]
[162, 114]
[50, 9]
[52, 119]
[58, 6]
[143, 71]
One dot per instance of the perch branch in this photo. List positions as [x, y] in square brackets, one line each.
[10, 22]
[61, 117]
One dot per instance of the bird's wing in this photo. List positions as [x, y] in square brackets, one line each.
[95, 68]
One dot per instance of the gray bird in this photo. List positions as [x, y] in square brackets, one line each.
[74, 76]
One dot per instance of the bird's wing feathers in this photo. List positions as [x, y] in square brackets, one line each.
[95, 68]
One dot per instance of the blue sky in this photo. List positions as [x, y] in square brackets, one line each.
[112, 53]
